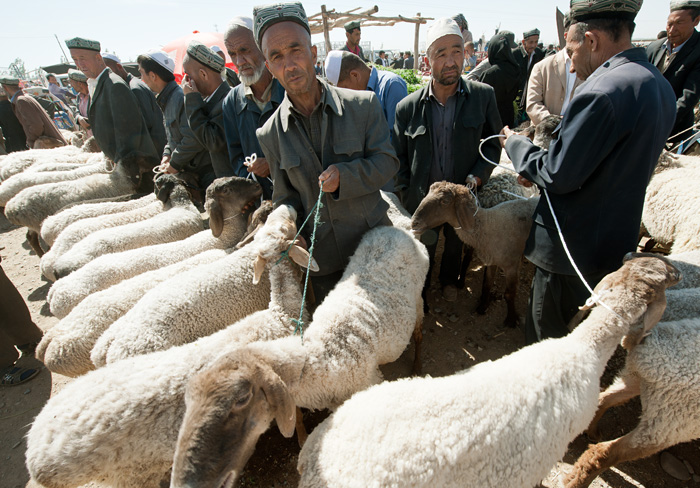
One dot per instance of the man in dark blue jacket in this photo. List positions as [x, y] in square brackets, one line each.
[597, 170]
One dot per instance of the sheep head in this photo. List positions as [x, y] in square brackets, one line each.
[228, 407]
[136, 165]
[445, 203]
[90, 145]
[638, 290]
[257, 221]
[170, 188]
[227, 197]
[544, 131]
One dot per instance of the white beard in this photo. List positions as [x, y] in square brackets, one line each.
[251, 80]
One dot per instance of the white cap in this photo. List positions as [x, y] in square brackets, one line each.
[334, 59]
[111, 56]
[162, 58]
[243, 21]
[216, 49]
[441, 28]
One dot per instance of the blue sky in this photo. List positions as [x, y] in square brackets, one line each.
[130, 27]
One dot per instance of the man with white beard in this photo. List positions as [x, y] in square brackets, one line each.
[248, 106]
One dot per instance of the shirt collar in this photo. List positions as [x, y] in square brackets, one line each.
[430, 94]
[19, 93]
[675, 49]
[329, 98]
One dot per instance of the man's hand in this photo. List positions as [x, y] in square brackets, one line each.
[169, 169]
[166, 159]
[83, 122]
[259, 167]
[188, 85]
[507, 133]
[330, 179]
[524, 182]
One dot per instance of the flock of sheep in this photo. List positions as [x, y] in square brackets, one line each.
[179, 331]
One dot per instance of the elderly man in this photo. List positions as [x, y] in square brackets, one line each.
[12, 131]
[248, 106]
[678, 58]
[322, 135]
[78, 81]
[527, 55]
[228, 74]
[436, 136]
[595, 174]
[152, 114]
[551, 85]
[115, 117]
[56, 90]
[353, 34]
[38, 127]
[204, 97]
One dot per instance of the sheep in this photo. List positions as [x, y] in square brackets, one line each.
[32, 205]
[365, 321]
[396, 212]
[206, 300]
[226, 200]
[54, 225]
[499, 423]
[482, 229]
[118, 424]
[689, 264]
[178, 222]
[664, 371]
[19, 161]
[683, 303]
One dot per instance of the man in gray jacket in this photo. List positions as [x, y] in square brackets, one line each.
[322, 135]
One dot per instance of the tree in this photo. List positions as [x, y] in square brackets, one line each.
[17, 68]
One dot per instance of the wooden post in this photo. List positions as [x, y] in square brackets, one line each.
[415, 45]
[326, 35]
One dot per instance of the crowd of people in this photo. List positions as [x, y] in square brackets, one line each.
[357, 130]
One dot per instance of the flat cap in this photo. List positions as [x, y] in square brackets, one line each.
[352, 25]
[441, 28]
[461, 21]
[81, 43]
[200, 52]
[9, 80]
[582, 10]
[683, 4]
[530, 33]
[266, 16]
[77, 75]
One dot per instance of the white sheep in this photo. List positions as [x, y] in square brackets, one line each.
[365, 321]
[19, 161]
[498, 424]
[227, 199]
[689, 265]
[180, 220]
[54, 225]
[118, 424]
[498, 234]
[665, 372]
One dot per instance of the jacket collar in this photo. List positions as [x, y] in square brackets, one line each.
[101, 80]
[329, 98]
[218, 94]
[242, 103]
[165, 94]
[634, 55]
[687, 47]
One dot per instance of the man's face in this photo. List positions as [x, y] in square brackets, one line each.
[193, 70]
[580, 54]
[530, 43]
[87, 61]
[246, 55]
[469, 51]
[446, 57]
[52, 79]
[149, 79]
[290, 57]
[680, 26]
[78, 86]
[354, 36]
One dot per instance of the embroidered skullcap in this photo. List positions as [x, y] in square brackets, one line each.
[9, 80]
[683, 4]
[266, 16]
[243, 21]
[461, 21]
[81, 43]
[77, 75]
[200, 52]
[352, 25]
[530, 33]
[162, 58]
[582, 10]
[112, 57]
[334, 60]
[441, 28]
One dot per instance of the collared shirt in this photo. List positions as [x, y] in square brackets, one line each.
[570, 82]
[58, 92]
[266, 96]
[354, 51]
[312, 124]
[19, 93]
[92, 82]
[668, 55]
[390, 89]
[442, 123]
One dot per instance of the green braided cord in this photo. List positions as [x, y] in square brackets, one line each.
[285, 254]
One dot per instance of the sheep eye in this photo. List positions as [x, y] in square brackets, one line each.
[446, 200]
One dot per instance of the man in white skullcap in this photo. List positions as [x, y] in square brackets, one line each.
[248, 106]
[436, 136]
[228, 74]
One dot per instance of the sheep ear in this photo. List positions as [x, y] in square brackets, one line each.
[258, 268]
[464, 215]
[248, 238]
[216, 217]
[281, 402]
[301, 256]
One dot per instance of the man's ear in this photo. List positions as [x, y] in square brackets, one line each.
[314, 53]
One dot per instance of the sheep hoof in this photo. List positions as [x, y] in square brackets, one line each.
[512, 322]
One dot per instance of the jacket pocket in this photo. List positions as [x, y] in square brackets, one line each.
[472, 119]
[348, 146]
[289, 161]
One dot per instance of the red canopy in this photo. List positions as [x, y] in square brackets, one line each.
[177, 49]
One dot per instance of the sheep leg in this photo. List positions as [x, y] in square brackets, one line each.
[418, 341]
[621, 391]
[33, 240]
[600, 457]
[300, 428]
[511, 289]
[486, 285]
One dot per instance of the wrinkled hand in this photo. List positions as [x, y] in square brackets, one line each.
[259, 167]
[507, 133]
[524, 182]
[330, 179]
[188, 85]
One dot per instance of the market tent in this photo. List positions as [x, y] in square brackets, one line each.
[58, 69]
[176, 49]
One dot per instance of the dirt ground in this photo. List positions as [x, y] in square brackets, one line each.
[455, 337]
